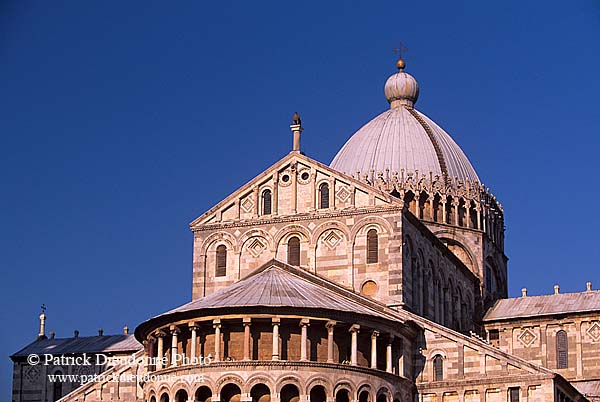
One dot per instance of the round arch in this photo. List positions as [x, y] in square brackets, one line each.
[255, 233]
[223, 237]
[203, 394]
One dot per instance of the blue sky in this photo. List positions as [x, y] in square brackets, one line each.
[120, 122]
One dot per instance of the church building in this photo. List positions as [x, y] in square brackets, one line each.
[379, 277]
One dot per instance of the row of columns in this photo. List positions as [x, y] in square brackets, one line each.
[354, 330]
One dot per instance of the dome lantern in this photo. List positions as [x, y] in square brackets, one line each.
[401, 89]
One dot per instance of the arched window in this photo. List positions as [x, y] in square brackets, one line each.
[438, 368]
[562, 360]
[57, 387]
[293, 251]
[221, 261]
[266, 202]
[372, 246]
[324, 196]
[416, 291]
[426, 294]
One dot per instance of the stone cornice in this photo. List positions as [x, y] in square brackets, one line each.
[296, 218]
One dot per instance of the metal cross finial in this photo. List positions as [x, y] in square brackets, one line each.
[43, 307]
[398, 50]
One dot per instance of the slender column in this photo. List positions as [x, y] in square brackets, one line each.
[150, 365]
[354, 345]
[417, 206]
[468, 215]
[217, 327]
[294, 170]
[304, 324]
[353, 196]
[579, 349]
[444, 215]
[330, 325]
[275, 321]
[388, 354]
[174, 333]
[246, 322]
[160, 352]
[194, 328]
[455, 204]
[296, 131]
[401, 350]
[480, 216]
[331, 192]
[313, 190]
[374, 336]
[256, 197]
[275, 199]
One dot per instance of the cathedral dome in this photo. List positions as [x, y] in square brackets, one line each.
[402, 138]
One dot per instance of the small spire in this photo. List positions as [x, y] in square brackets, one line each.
[556, 289]
[100, 332]
[76, 334]
[297, 129]
[588, 286]
[524, 292]
[400, 64]
[52, 334]
[125, 330]
[42, 333]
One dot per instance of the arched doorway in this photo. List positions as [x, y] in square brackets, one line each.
[342, 396]
[203, 394]
[318, 394]
[164, 397]
[290, 393]
[231, 393]
[364, 396]
[181, 396]
[260, 393]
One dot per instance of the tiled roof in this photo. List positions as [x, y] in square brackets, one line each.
[587, 388]
[82, 344]
[531, 306]
[279, 285]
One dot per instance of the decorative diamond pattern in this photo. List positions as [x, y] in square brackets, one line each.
[594, 331]
[343, 194]
[247, 205]
[527, 337]
[256, 247]
[32, 373]
[332, 239]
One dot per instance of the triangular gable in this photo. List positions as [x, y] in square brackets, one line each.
[482, 348]
[293, 182]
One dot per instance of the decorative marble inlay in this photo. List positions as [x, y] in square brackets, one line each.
[31, 373]
[343, 194]
[332, 239]
[594, 331]
[247, 205]
[527, 337]
[256, 247]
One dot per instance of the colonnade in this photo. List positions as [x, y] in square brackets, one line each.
[178, 344]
